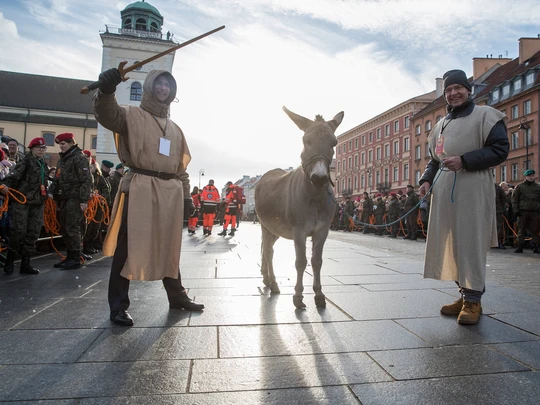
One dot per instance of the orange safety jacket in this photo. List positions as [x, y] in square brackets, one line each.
[210, 196]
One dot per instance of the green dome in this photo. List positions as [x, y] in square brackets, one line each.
[141, 5]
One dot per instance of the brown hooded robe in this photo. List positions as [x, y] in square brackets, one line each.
[156, 206]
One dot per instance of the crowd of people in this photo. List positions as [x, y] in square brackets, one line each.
[27, 183]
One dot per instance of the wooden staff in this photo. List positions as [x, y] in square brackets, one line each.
[123, 71]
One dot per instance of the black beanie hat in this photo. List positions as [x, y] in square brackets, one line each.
[456, 76]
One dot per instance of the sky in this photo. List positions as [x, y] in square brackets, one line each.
[312, 56]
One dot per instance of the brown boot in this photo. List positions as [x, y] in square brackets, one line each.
[452, 309]
[470, 313]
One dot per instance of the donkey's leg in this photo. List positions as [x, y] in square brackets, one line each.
[300, 264]
[316, 263]
[267, 256]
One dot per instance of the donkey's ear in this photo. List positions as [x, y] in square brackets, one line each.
[301, 122]
[334, 122]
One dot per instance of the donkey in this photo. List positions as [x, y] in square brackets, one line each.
[299, 204]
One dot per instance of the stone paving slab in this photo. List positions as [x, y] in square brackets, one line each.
[527, 321]
[496, 389]
[444, 331]
[390, 304]
[284, 372]
[423, 284]
[18, 309]
[89, 313]
[44, 346]
[526, 352]
[330, 395]
[261, 310]
[350, 269]
[415, 364]
[314, 338]
[64, 381]
[506, 300]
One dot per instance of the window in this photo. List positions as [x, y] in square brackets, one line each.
[417, 152]
[338, 166]
[526, 107]
[127, 24]
[344, 148]
[135, 92]
[386, 179]
[350, 162]
[396, 173]
[356, 143]
[355, 160]
[378, 133]
[515, 112]
[363, 158]
[495, 95]
[378, 177]
[387, 130]
[529, 79]
[528, 137]
[363, 140]
[517, 85]
[406, 171]
[387, 150]
[49, 138]
[396, 126]
[417, 177]
[515, 140]
[343, 163]
[93, 142]
[370, 137]
[342, 185]
[406, 122]
[439, 117]
[370, 156]
[406, 144]
[369, 180]
[154, 27]
[140, 24]
[428, 125]
[503, 173]
[427, 150]
[506, 90]
[378, 153]
[396, 148]
[350, 146]
[418, 129]
[362, 181]
[493, 173]
[339, 150]
[356, 182]
[515, 170]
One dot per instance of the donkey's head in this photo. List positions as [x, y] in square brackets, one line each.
[319, 141]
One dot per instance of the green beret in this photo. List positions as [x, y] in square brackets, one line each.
[529, 172]
[108, 164]
[119, 166]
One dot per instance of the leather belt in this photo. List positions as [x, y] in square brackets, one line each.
[153, 173]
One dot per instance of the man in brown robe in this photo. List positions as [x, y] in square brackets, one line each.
[145, 233]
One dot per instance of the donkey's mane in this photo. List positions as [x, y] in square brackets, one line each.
[319, 118]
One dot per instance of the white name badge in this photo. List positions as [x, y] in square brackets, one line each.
[164, 146]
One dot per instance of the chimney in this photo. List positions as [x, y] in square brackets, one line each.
[439, 87]
[482, 65]
[527, 48]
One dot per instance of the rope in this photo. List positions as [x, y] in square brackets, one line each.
[50, 221]
[95, 203]
[11, 192]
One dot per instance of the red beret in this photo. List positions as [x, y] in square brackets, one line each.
[87, 153]
[393, 194]
[93, 161]
[36, 142]
[378, 195]
[66, 136]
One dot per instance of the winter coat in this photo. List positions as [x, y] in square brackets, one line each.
[526, 197]
[73, 179]
[28, 177]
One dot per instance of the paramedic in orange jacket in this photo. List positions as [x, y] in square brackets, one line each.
[230, 213]
[209, 202]
[194, 217]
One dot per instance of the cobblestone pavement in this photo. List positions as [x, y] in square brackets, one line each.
[380, 339]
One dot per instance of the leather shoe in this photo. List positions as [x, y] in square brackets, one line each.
[186, 303]
[61, 263]
[121, 318]
[86, 256]
[71, 264]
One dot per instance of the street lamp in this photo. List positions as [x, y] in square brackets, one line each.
[368, 171]
[201, 173]
[524, 126]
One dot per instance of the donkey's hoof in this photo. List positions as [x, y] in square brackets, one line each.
[299, 302]
[320, 301]
[274, 289]
[266, 282]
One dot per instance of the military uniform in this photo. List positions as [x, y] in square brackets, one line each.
[379, 214]
[411, 202]
[500, 203]
[94, 228]
[114, 181]
[29, 177]
[526, 205]
[72, 187]
[367, 210]
[393, 215]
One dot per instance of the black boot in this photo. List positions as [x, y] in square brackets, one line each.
[519, 249]
[186, 303]
[10, 259]
[121, 318]
[26, 267]
[73, 261]
[60, 263]
[232, 232]
[223, 233]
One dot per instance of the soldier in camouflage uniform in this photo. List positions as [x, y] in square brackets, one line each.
[102, 187]
[500, 203]
[71, 190]
[367, 210]
[114, 181]
[379, 211]
[393, 215]
[411, 202]
[526, 205]
[29, 177]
